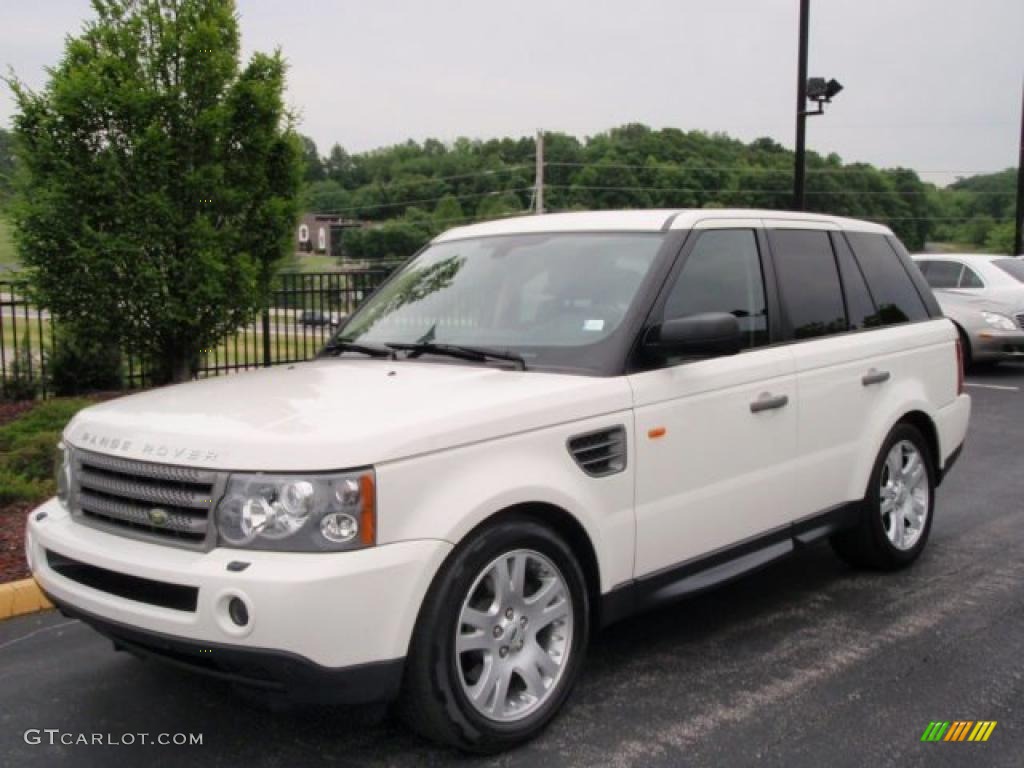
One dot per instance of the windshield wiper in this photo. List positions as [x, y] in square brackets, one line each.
[344, 345]
[460, 351]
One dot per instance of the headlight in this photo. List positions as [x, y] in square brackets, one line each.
[297, 513]
[1002, 322]
[62, 471]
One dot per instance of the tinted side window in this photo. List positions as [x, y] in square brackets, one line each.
[894, 292]
[970, 279]
[941, 274]
[860, 307]
[809, 282]
[723, 274]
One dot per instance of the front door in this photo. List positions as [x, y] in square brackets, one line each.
[715, 438]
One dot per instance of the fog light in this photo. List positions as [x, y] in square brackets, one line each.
[339, 527]
[238, 612]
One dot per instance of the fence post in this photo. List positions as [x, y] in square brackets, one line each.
[266, 336]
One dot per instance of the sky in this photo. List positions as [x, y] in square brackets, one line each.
[933, 85]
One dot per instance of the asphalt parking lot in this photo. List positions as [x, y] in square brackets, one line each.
[806, 663]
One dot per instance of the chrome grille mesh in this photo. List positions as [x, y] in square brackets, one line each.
[172, 505]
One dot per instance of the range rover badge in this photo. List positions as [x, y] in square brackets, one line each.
[158, 517]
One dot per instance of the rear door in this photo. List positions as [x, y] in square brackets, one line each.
[847, 352]
[715, 438]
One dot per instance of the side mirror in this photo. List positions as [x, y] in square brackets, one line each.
[704, 335]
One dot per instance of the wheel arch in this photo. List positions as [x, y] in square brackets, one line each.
[562, 522]
[926, 426]
[965, 341]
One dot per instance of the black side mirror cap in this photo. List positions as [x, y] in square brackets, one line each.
[704, 335]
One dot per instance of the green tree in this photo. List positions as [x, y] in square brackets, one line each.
[160, 179]
[314, 169]
[327, 197]
[448, 212]
[1000, 238]
[6, 165]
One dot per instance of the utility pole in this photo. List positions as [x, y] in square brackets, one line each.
[800, 157]
[538, 192]
[1018, 235]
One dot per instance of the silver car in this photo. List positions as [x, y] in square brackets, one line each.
[984, 296]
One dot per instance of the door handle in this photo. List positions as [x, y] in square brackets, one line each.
[768, 402]
[874, 376]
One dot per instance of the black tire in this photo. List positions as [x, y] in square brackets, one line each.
[433, 703]
[867, 545]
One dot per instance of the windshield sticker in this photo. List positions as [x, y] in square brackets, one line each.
[593, 325]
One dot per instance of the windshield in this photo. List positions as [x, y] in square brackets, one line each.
[551, 298]
[1013, 267]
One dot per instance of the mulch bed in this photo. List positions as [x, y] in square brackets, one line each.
[12, 541]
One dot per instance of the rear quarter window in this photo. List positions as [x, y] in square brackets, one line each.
[891, 285]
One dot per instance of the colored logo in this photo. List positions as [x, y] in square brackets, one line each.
[159, 517]
[959, 730]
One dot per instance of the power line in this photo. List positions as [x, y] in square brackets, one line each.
[475, 174]
[749, 190]
[399, 204]
[758, 168]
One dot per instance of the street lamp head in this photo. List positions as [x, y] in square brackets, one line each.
[821, 90]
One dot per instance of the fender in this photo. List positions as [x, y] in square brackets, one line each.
[449, 493]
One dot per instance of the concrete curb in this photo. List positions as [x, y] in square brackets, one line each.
[18, 598]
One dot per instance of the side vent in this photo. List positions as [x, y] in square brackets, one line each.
[600, 453]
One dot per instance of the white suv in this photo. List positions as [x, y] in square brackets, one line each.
[534, 428]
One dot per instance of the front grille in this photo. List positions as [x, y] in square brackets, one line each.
[600, 453]
[1020, 320]
[173, 505]
[175, 596]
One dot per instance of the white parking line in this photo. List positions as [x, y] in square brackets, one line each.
[999, 387]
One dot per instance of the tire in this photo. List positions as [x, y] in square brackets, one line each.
[887, 542]
[436, 697]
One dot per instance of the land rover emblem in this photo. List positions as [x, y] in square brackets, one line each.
[158, 517]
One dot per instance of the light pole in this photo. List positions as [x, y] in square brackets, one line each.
[815, 89]
[1018, 235]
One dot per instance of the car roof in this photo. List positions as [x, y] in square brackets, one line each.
[657, 220]
[967, 257]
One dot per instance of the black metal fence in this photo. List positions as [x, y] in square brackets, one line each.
[305, 309]
[26, 341]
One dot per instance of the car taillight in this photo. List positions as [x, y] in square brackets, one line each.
[959, 367]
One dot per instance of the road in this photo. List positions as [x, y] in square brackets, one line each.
[805, 664]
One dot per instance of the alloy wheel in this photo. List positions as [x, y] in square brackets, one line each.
[514, 635]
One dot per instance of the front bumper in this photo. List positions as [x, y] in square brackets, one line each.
[991, 344]
[316, 611]
[275, 673]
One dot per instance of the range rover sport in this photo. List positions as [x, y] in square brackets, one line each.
[535, 428]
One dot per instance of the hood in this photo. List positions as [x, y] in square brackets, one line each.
[337, 414]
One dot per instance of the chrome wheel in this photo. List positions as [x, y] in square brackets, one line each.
[514, 635]
[905, 495]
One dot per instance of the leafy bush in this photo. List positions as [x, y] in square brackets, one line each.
[15, 488]
[28, 449]
[82, 363]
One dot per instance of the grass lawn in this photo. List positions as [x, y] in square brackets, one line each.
[310, 262]
[31, 330]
